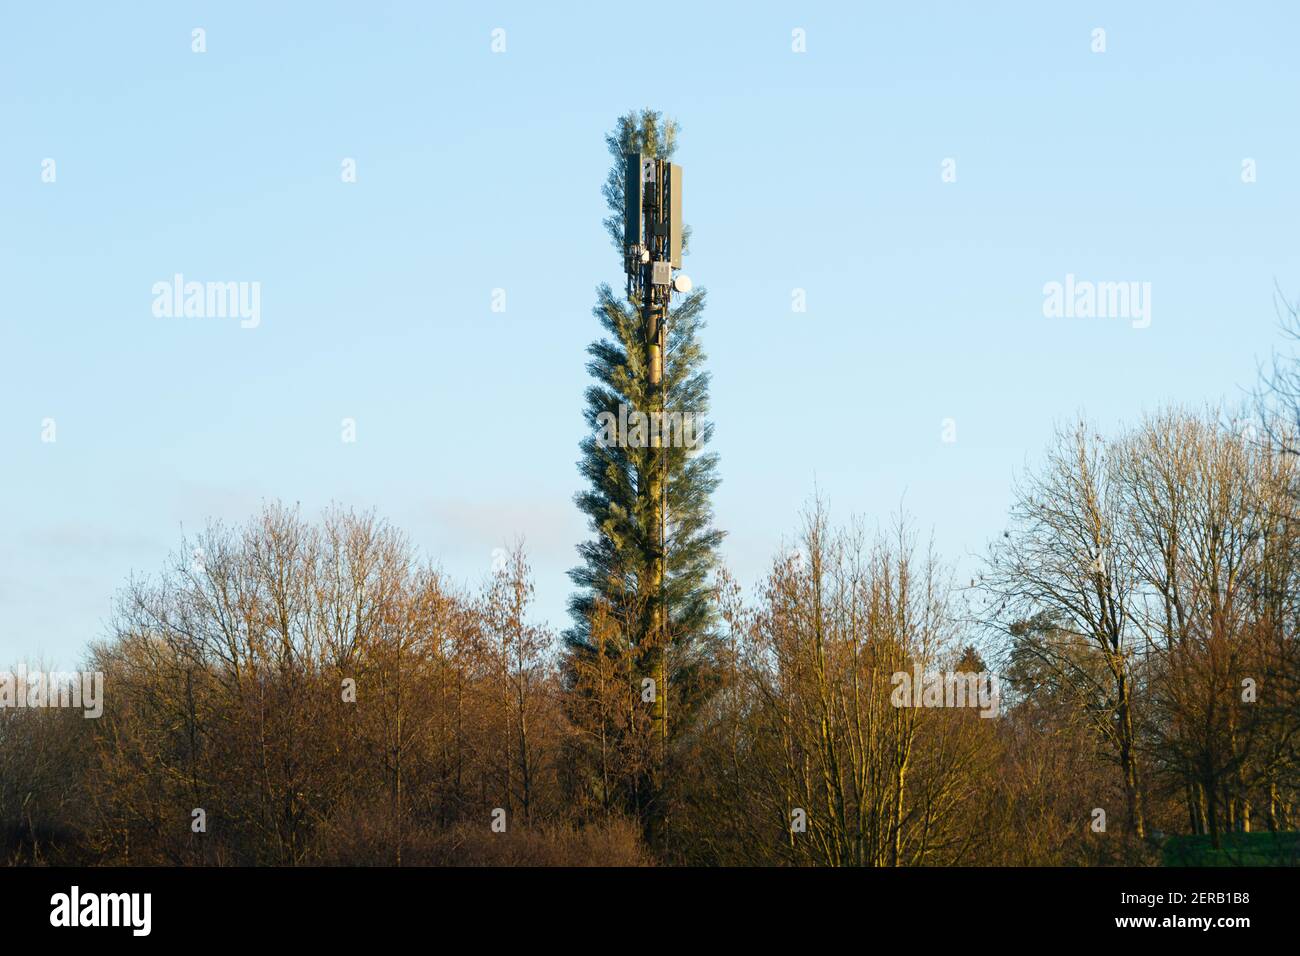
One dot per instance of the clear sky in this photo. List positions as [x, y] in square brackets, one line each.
[477, 171]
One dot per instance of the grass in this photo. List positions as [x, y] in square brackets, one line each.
[1236, 849]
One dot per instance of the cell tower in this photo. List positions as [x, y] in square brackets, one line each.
[652, 241]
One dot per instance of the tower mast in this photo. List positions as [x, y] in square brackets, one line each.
[653, 249]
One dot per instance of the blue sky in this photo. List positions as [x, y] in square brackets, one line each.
[478, 170]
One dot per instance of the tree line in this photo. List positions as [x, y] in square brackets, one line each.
[296, 691]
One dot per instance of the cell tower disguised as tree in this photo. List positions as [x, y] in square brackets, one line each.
[643, 617]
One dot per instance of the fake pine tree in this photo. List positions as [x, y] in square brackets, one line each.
[616, 644]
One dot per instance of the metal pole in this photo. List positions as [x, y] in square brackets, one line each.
[652, 236]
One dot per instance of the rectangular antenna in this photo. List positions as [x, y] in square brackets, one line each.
[632, 193]
[675, 215]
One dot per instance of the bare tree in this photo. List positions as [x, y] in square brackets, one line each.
[1065, 557]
